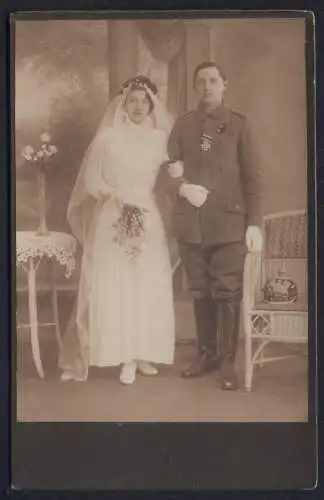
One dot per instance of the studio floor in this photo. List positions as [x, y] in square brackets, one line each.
[279, 390]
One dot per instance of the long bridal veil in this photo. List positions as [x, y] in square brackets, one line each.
[82, 215]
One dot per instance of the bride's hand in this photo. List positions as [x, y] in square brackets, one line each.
[176, 169]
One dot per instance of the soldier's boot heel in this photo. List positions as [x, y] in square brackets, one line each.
[229, 381]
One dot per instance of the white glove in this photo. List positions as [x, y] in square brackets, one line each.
[176, 169]
[195, 194]
[254, 239]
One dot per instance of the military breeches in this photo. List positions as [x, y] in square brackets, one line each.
[215, 271]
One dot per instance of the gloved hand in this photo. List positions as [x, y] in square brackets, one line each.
[254, 239]
[194, 193]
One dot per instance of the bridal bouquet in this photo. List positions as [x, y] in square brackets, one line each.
[130, 229]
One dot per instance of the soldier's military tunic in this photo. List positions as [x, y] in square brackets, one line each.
[218, 153]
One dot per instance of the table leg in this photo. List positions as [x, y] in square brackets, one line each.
[55, 306]
[32, 304]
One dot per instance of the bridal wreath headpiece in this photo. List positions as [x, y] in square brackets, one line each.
[140, 83]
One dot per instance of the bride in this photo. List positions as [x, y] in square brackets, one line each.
[124, 313]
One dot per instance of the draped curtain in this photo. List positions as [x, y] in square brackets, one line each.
[182, 44]
[165, 39]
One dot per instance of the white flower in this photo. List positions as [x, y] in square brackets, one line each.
[45, 137]
[28, 150]
[27, 157]
[40, 154]
[52, 149]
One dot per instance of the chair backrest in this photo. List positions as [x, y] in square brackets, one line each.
[285, 245]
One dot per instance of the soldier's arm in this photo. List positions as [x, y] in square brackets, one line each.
[174, 149]
[251, 176]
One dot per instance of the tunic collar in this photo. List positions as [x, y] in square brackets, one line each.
[220, 115]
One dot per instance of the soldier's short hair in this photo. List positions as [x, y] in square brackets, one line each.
[208, 64]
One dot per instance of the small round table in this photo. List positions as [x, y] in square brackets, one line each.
[31, 249]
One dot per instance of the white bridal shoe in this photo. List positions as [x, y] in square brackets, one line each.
[66, 376]
[146, 368]
[128, 372]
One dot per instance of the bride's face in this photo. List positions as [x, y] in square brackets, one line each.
[137, 105]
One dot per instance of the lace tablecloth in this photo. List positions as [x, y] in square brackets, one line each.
[60, 246]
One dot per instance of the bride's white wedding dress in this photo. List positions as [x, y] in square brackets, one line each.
[131, 315]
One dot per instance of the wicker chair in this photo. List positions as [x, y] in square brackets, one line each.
[285, 249]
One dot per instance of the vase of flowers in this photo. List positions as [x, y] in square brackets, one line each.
[40, 158]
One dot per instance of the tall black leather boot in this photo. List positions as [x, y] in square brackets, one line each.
[228, 321]
[207, 358]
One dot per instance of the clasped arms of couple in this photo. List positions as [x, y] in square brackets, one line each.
[124, 313]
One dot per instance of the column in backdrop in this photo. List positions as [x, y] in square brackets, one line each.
[122, 52]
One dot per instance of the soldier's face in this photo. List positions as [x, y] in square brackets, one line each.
[137, 106]
[210, 86]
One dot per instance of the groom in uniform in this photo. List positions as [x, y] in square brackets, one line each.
[216, 178]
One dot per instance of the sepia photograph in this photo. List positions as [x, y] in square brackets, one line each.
[161, 170]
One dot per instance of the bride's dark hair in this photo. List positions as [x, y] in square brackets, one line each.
[141, 83]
